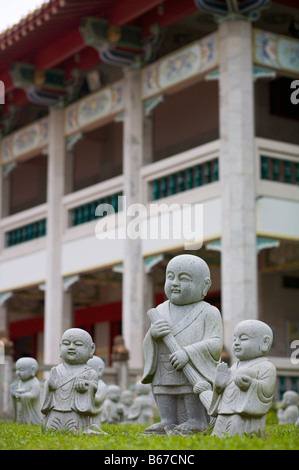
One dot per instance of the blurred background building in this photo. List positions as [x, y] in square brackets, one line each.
[174, 102]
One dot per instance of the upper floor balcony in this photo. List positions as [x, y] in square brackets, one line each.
[190, 177]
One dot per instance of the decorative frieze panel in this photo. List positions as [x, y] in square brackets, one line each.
[277, 52]
[30, 139]
[270, 51]
[199, 57]
[93, 108]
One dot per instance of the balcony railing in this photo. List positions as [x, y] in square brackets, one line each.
[276, 169]
[277, 166]
[188, 170]
[26, 233]
[80, 206]
[191, 178]
[24, 227]
[86, 212]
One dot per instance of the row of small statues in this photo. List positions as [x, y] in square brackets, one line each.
[111, 404]
[193, 390]
[117, 407]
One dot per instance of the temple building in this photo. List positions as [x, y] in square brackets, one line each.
[114, 109]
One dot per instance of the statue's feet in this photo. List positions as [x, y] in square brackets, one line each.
[158, 428]
[189, 427]
[94, 429]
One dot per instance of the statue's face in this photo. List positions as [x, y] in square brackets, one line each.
[127, 399]
[183, 285]
[24, 370]
[289, 398]
[75, 349]
[248, 343]
[114, 394]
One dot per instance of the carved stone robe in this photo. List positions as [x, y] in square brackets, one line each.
[239, 411]
[64, 404]
[199, 333]
[27, 406]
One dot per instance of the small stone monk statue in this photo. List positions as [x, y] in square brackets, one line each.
[289, 411]
[70, 390]
[127, 399]
[98, 365]
[242, 395]
[113, 410]
[142, 408]
[26, 393]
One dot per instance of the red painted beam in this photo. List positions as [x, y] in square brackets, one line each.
[127, 10]
[87, 59]
[60, 50]
[173, 11]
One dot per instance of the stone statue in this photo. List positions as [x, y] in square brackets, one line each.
[26, 393]
[119, 351]
[120, 356]
[70, 391]
[142, 408]
[98, 365]
[183, 348]
[289, 412]
[242, 395]
[127, 399]
[113, 410]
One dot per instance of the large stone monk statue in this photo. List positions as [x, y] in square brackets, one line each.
[195, 326]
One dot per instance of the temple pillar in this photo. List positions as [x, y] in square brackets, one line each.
[133, 313]
[57, 307]
[237, 176]
[4, 211]
[148, 282]
[3, 317]
[4, 200]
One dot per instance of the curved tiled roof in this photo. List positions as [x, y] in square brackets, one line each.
[24, 22]
[49, 11]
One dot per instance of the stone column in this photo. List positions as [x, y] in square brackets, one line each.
[3, 317]
[237, 173]
[4, 212]
[133, 276]
[56, 318]
[148, 156]
[6, 375]
[4, 200]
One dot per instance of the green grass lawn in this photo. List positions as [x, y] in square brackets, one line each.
[129, 437]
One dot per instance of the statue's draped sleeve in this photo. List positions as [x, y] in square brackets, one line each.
[205, 354]
[200, 334]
